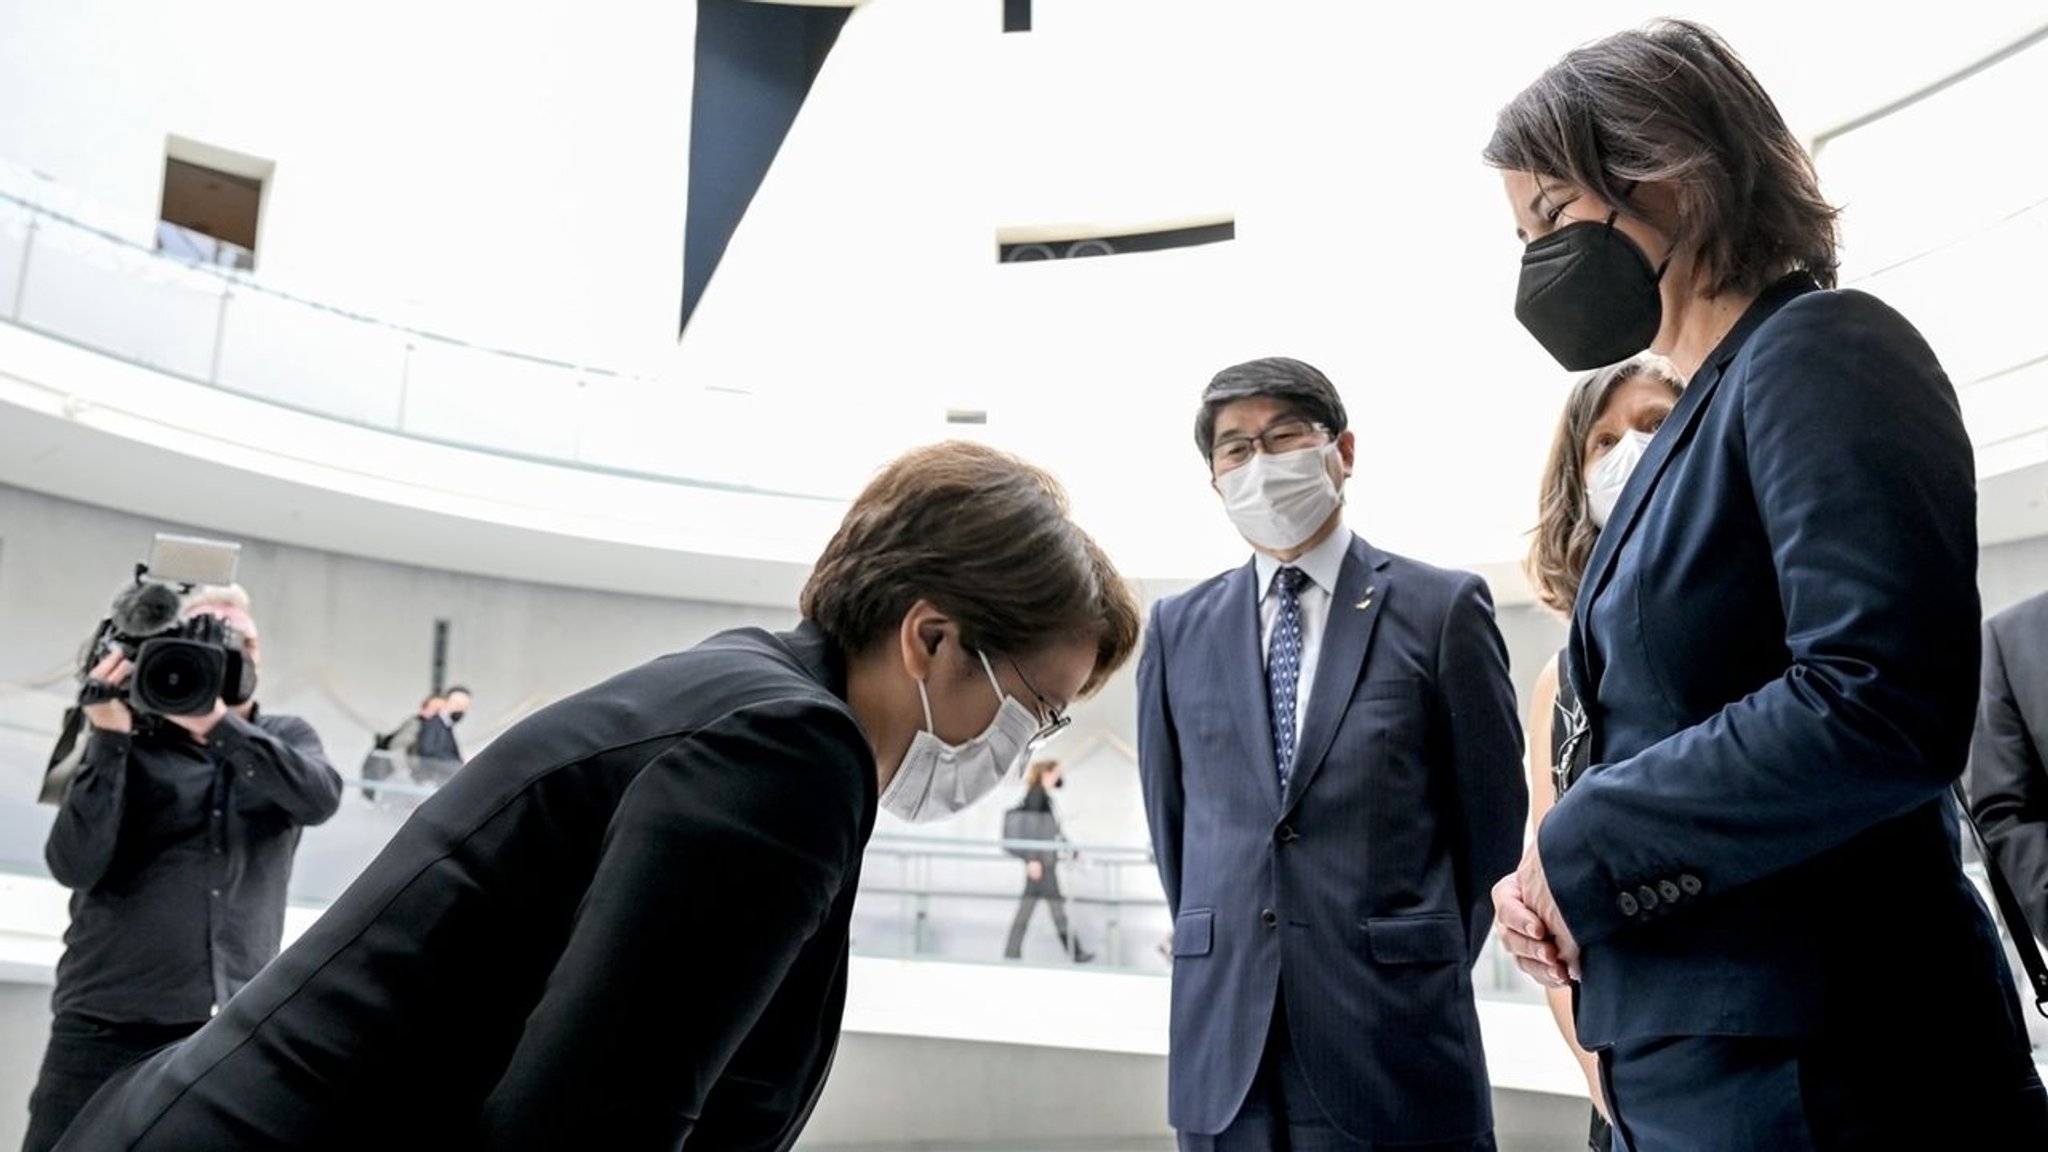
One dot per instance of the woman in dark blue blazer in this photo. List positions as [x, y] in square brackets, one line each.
[1755, 885]
[624, 924]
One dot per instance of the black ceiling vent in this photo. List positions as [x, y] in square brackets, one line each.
[1024, 245]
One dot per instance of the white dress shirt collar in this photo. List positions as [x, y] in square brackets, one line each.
[1322, 563]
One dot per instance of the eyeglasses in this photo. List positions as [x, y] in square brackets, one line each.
[1288, 435]
[1047, 728]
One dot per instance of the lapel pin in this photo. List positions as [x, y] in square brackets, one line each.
[1365, 603]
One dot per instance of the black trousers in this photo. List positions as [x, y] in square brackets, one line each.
[84, 1052]
[1046, 888]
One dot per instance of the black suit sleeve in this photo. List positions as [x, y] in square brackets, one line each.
[723, 860]
[2009, 786]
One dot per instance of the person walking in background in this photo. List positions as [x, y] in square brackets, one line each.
[1332, 768]
[401, 744]
[629, 928]
[1609, 419]
[1041, 865]
[435, 755]
[1774, 644]
[176, 836]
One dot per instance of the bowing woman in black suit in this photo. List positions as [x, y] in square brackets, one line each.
[626, 928]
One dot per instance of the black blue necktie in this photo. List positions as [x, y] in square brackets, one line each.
[1283, 665]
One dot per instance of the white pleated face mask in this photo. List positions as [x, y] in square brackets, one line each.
[1279, 500]
[937, 779]
[1610, 475]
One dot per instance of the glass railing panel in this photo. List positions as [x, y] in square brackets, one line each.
[127, 302]
[460, 395]
[279, 349]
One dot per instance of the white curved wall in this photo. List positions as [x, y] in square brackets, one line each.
[515, 178]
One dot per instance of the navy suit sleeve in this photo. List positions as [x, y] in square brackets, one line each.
[2009, 787]
[1849, 441]
[1159, 761]
[723, 861]
[1479, 721]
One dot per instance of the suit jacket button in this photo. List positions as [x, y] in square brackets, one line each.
[1268, 917]
[1647, 897]
[1668, 891]
[1286, 833]
[1627, 904]
[1689, 884]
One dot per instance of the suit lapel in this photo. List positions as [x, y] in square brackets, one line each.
[1362, 587]
[1678, 429]
[1241, 649]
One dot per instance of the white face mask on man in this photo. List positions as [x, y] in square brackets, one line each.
[1610, 475]
[1277, 501]
[937, 779]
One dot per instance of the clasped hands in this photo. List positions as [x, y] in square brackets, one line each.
[1530, 925]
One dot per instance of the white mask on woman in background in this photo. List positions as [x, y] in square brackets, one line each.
[1610, 475]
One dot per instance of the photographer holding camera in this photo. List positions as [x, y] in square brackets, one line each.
[175, 834]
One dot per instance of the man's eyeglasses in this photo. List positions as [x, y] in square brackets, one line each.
[1047, 728]
[1288, 435]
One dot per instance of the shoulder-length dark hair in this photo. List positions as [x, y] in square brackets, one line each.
[1671, 103]
[985, 537]
[1562, 542]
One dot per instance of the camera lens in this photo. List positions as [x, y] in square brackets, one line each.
[175, 677]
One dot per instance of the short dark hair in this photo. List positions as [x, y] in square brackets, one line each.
[1303, 385]
[1562, 541]
[452, 689]
[984, 536]
[1671, 103]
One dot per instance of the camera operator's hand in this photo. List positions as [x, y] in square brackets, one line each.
[110, 715]
[203, 723]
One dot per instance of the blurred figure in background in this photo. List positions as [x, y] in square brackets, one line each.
[1041, 866]
[1609, 419]
[400, 745]
[176, 837]
[435, 753]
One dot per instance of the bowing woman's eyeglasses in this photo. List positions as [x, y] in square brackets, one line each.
[1048, 728]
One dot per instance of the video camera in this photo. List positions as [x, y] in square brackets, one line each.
[182, 665]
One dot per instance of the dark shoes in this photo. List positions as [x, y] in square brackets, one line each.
[1082, 955]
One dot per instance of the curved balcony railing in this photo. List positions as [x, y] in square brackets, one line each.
[186, 315]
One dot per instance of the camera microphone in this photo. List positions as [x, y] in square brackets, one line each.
[146, 608]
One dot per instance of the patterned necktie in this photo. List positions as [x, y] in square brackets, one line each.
[1283, 666]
